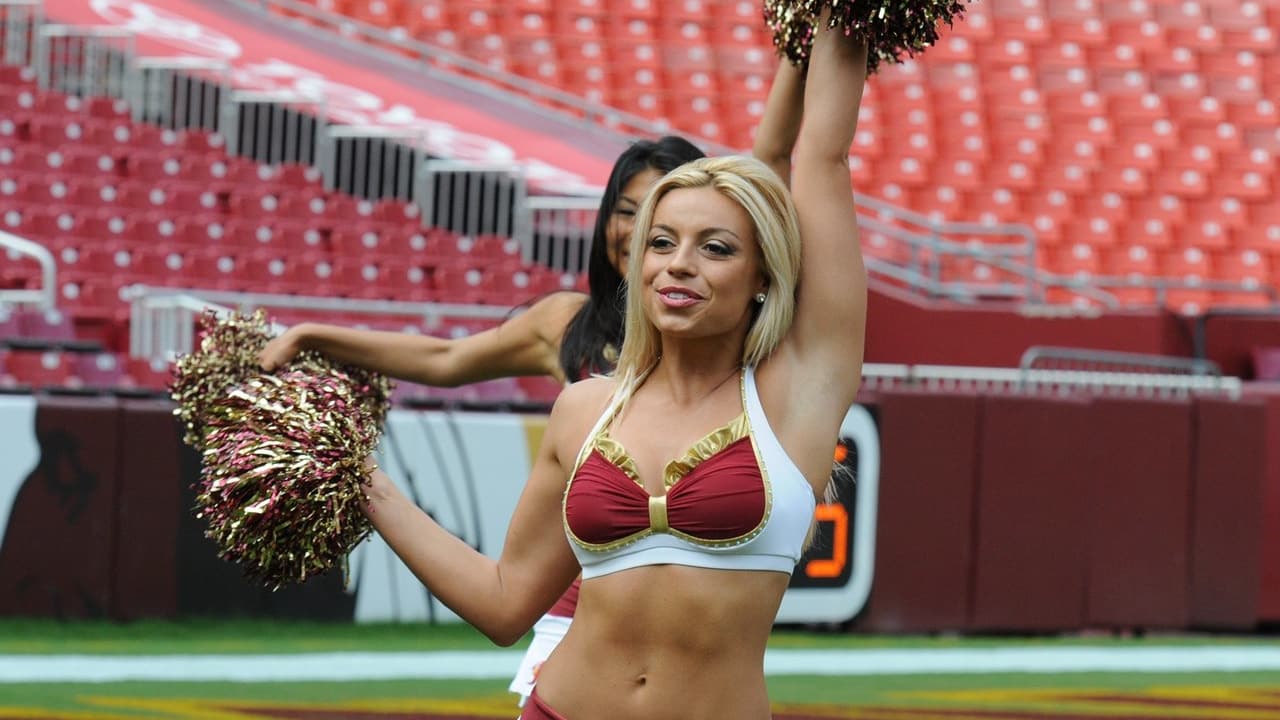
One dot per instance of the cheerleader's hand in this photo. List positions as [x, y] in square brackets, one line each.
[282, 349]
[379, 488]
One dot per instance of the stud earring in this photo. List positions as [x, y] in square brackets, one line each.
[760, 298]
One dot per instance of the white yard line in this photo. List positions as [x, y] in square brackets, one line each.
[497, 664]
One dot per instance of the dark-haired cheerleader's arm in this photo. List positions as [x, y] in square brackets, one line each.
[526, 344]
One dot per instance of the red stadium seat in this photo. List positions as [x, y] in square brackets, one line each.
[150, 374]
[101, 371]
[39, 369]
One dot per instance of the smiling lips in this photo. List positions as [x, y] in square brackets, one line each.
[678, 297]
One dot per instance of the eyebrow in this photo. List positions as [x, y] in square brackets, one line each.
[704, 233]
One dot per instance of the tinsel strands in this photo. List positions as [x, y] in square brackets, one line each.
[283, 474]
[892, 28]
[227, 356]
[283, 454]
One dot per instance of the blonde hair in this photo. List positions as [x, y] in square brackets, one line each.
[756, 188]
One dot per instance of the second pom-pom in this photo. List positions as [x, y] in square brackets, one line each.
[892, 28]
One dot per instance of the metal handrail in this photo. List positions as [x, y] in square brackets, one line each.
[1042, 353]
[428, 311]
[162, 319]
[952, 377]
[46, 297]
[161, 327]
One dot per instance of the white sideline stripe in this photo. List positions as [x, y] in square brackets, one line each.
[493, 664]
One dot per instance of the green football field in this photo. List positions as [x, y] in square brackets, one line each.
[958, 678]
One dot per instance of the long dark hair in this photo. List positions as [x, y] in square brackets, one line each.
[598, 323]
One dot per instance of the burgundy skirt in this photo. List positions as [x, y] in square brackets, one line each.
[535, 709]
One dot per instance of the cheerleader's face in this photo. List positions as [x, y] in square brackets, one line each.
[624, 216]
[701, 266]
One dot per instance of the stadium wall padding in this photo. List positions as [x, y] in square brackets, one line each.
[1269, 593]
[995, 512]
[902, 330]
[924, 529]
[1231, 339]
[1138, 472]
[1032, 559]
[1228, 505]
[148, 512]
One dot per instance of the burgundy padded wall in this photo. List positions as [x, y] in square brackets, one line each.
[1269, 593]
[903, 329]
[1031, 556]
[1226, 531]
[1140, 515]
[1230, 340]
[925, 520]
[56, 560]
[148, 510]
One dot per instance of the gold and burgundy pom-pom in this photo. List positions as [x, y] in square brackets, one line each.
[792, 29]
[283, 474]
[283, 453]
[892, 28]
[228, 356]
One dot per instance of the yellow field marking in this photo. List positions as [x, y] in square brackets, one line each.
[504, 707]
[172, 708]
[231, 709]
[42, 714]
[1076, 701]
[875, 712]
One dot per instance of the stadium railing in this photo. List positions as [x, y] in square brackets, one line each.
[1045, 357]
[948, 378]
[162, 322]
[46, 296]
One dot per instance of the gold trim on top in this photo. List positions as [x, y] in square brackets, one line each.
[708, 446]
[617, 455]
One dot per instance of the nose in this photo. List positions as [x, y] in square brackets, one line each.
[682, 260]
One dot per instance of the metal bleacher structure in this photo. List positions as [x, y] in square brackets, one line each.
[136, 191]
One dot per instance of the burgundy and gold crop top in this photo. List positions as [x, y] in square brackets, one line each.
[734, 501]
